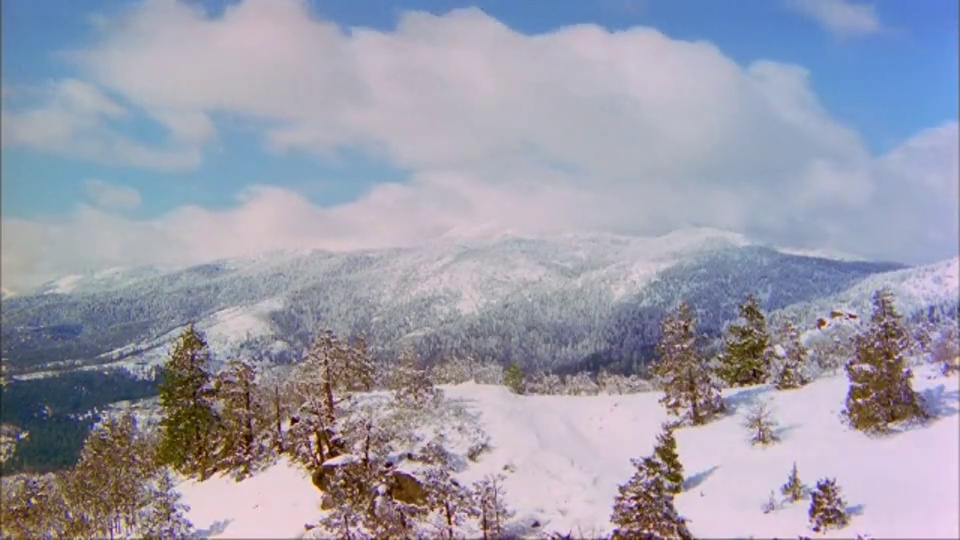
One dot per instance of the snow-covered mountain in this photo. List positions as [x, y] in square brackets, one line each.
[563, 458]
[544, 301]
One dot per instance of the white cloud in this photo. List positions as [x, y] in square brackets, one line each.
[627, 131]
[112, 197]
[75, 118]
[845, 18]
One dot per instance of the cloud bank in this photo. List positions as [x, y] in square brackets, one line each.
[580, 128]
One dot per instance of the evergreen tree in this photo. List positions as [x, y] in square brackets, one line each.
[644, 507]
[513, 378]
[33, 507]
[760, 423]
[827, 508]
[241, 425]
[105, 489]
[790, 373]
[447, 498]
[411, 383]
[492, 509]
[794, 490]
[880, 389]
[665, 452]
[273, 387]
[189, 424]
[745, 360]
[164, 518]
[688, 385]
[330, 373]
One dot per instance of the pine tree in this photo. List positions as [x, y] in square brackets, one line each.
[791, 369]
[33, 507]
[165, 516]
[880, 390]
[273, 387]
[513, 378]
[330, 373]
[794, 490]
[411, 383]
[760, 423]
[492, 509]
[450, 500]
[745, 360]
[189, 424]
[689, 388]
[241, 412]
[106, 486]
[644, 507]
[665, 452]
[827, 508]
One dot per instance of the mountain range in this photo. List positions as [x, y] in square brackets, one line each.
[551, 302]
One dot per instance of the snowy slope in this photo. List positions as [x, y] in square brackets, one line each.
[569, 454]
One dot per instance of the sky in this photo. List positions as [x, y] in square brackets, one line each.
[170, 132]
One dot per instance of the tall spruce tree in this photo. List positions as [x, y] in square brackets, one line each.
[189, 424]
[686, 378]
[745, 358]
[880, 389]
[241, 419]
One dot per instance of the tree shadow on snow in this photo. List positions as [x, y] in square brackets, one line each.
[699, 478]
[939, 403]
[741, 399]
[217, 527]
[855, 510]
[780, 431]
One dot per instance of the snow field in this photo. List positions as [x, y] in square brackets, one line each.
[564, 456]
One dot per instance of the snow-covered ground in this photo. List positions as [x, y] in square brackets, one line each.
[565, 456]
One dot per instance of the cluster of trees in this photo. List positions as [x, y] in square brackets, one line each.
[117, 488]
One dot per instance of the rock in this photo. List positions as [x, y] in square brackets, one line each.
[407, 489]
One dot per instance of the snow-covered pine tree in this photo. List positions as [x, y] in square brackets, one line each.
[189, 423]
[513, 378]
[945, 349]
[744, 360]
[240, 443]
[107, 485]
[794, 490]
[324, 381]
[33, 507]
[760, 423]
[580, 384]
[411, 384]
[273, 387]
[492, 509]
[665, 452]
[686, 378]
[880, 389]
[164, 517]
[827, 507]
[790, 372]
[449, 500]
[644, 507]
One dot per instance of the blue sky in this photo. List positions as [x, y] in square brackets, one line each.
[85, 141]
